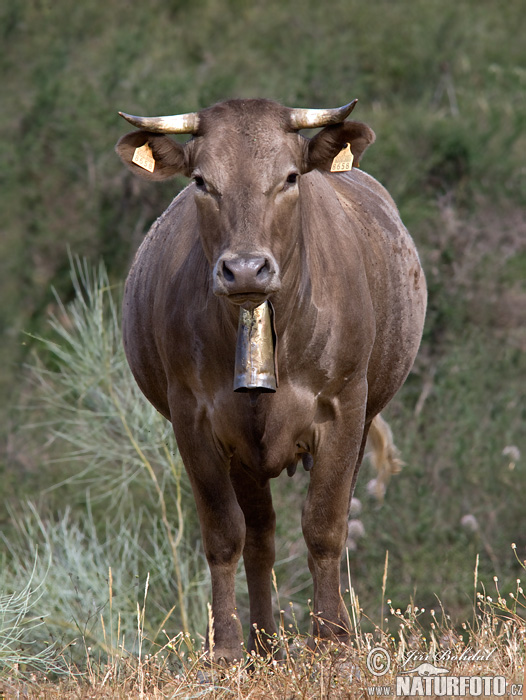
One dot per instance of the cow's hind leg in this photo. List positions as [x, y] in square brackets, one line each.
[258, 556]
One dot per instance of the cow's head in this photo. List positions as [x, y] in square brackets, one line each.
[246, 159]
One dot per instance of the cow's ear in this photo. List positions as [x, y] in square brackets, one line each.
[323, 147]
[168, 155]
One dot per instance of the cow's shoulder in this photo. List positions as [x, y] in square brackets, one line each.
[172, 235]
[359, 189]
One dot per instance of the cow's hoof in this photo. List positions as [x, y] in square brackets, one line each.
[225, 657]
[214, 665]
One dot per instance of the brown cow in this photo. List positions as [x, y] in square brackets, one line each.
[265, 219]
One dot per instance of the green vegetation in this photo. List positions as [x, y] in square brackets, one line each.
[123, 473]
[444, 87]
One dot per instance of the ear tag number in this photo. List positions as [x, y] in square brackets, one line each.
[343, 161]
[143, 157]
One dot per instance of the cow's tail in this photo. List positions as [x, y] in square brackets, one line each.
[383, 455]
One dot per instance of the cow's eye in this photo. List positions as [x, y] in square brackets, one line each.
[199, 181]
[292, 179]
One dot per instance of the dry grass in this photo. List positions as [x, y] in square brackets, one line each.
[492, 645]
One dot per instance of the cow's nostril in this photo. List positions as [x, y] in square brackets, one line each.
[264, 269]
[227, 273]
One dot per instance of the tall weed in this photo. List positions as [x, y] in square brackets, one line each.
[129, 506]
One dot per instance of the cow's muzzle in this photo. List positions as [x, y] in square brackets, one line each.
[246, 279]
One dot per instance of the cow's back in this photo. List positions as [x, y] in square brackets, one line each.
[395, 279]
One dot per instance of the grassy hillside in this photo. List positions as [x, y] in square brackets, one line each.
[444, 87]
[441, 83]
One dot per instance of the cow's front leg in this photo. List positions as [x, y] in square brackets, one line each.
[325, 524]
[223, 531]
[222, 528]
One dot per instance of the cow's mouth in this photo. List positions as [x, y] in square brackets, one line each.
[248, 300]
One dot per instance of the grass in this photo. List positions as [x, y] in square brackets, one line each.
[116, 465]
[492, 644]
[83, 577]
[20, 626]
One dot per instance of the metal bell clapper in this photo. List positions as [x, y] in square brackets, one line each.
[255, 367]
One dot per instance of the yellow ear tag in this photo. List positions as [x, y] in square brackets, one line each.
[343, 161]
[143, 157]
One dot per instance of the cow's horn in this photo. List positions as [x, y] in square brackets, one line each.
[175, 124]
[312, 118]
